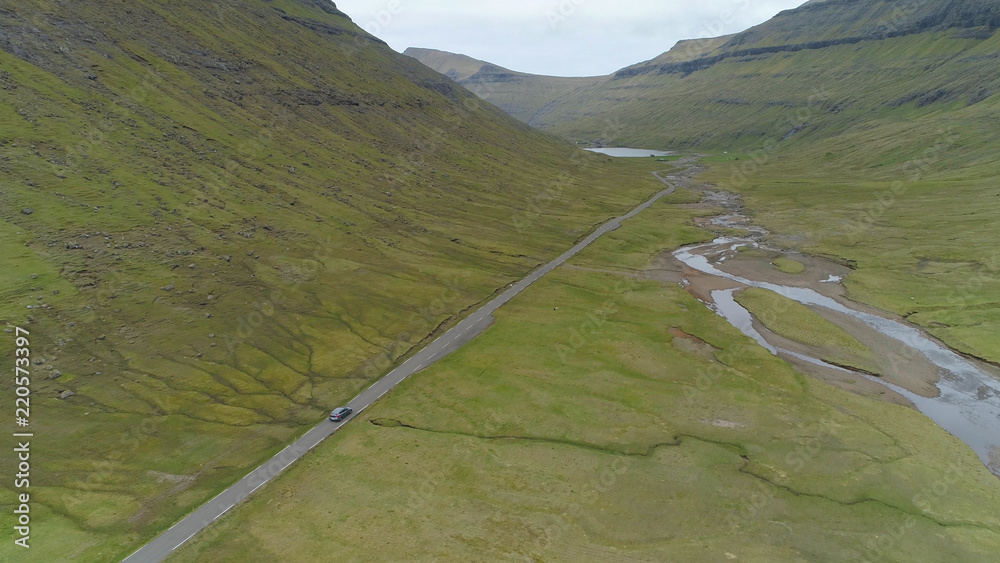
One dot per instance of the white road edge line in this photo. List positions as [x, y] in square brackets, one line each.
[223, 512]
[185, 540]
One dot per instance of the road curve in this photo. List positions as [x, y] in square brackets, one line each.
[468, 328]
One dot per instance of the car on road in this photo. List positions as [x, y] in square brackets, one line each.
[340, 413]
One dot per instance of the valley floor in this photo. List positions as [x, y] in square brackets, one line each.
[609, 415]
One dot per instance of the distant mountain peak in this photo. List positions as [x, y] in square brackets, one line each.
[520, 94]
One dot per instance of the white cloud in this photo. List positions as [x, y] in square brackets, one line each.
[560, 37]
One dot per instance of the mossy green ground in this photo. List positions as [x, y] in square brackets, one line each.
[583, 433]
[788, 265]
[243, 213]
[797, 322]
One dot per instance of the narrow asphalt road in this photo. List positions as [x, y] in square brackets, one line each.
[163, 545]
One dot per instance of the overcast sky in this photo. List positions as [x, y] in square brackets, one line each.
[556, 37]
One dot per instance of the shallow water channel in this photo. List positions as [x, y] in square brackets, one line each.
[960, 394]
[623, 152]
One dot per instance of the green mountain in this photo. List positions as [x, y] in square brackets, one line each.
[809, 73]
[524, 96]
[220, 219]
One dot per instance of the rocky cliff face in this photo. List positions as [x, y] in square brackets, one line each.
[829, 23]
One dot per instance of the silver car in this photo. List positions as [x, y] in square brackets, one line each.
[340, 413]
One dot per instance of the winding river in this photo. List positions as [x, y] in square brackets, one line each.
[966, 402]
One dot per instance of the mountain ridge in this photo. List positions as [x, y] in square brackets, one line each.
[520, 94]
[639, 91]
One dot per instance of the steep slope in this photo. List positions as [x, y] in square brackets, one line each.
[519, 94]
[220, 219]
[454, 66]
[812, 72]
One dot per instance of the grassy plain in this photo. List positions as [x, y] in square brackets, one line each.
[797, 322]
[229, 233]
[788, 265]
[577, 428]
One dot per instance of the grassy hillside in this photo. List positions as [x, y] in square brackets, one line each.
[812, 73]
[218, 220]
[519, 94]
[774, 100]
